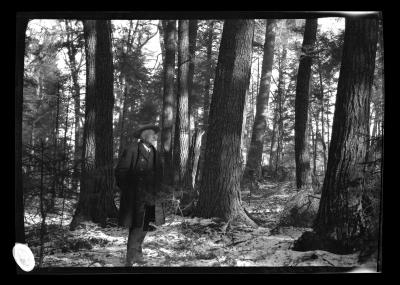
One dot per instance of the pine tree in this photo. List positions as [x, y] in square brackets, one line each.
[303, 177]
[96, 194]
[260, 122]
[220, 183]
[342, 215]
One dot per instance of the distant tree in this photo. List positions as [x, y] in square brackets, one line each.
[342, 215]
[96, 197]
[280, 97]
[303, 177]
[169, 28]
[74, 44]
[220, 183]
[21, 25]
[260, 122]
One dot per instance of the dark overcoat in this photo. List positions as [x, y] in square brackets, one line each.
[139, 189]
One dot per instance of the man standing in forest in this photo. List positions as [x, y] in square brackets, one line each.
[139, 176]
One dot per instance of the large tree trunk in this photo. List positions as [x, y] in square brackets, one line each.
[169, 28]
[220, 184]
[104, 124]
[96, 197]
[341, 216]
[21, 24]
[182, 112]
[303, 177]
[260, 123]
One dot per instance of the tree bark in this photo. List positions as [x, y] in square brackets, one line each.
[182, 112]
[168, 99]
[104, 124]
[341, 216]
[21, 25]
[96, 197]
[260, 123]
[303, 177]
[220, 184]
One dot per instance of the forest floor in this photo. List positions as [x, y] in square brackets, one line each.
[182, 241]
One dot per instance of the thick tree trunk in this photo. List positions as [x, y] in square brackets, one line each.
[182, 112]
[82, 212]
[104, 124]
[168, 99]
[220, 184]
[260, 123]
[96, 197]
[21, 24]
[303, 177]
[341, 216]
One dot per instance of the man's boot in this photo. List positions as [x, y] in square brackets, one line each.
[134, 256]
[134, 252]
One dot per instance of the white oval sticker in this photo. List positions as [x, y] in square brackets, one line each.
[23, 256]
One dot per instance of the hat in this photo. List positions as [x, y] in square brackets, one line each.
[144, 127]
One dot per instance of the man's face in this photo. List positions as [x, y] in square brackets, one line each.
[150, 136]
